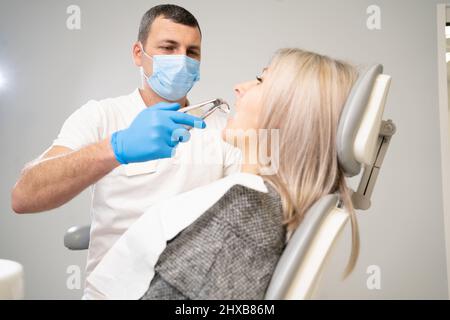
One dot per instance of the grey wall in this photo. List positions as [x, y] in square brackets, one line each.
[51, 71]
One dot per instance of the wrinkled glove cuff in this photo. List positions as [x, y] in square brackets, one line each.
[117, 147]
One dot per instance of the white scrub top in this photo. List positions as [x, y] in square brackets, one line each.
[122, 196]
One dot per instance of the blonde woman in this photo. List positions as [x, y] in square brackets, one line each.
[239, 225]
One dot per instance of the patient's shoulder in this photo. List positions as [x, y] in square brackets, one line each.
[253, 214]
[243, 202]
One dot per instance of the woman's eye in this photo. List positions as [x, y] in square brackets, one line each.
[166, 48]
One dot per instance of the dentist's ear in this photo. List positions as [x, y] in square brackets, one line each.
[137, 54]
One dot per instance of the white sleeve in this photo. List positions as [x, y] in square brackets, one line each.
[82, 128]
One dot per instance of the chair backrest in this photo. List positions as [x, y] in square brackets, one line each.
[300, 264]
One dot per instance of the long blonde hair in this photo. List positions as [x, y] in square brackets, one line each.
[303, 96]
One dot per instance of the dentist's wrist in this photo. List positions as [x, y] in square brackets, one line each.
[107, 154]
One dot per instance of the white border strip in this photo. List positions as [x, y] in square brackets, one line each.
[444, 128]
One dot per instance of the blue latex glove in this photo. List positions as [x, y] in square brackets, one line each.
[153, 134]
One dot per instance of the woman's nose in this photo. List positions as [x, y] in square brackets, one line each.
[241, 88]
[238, 90]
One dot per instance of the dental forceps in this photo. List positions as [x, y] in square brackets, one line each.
[218, 103]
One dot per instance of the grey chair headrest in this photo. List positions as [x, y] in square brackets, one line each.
[351, 117]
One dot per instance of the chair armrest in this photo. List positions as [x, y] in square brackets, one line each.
[77, 237]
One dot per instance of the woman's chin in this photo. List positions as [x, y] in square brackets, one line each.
[224, 130]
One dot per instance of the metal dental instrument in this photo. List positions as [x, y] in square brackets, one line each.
[218, 103]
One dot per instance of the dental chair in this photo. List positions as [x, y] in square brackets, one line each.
[362, 141]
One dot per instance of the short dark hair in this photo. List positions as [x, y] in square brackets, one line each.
[172, 12]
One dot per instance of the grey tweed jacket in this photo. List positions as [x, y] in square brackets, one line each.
[229, 252]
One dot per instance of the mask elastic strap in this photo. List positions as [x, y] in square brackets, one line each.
[143, 73]
[145, 53]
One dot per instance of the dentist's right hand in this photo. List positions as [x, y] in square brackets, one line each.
[153, 134]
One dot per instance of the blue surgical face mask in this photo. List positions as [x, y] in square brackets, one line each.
[173, 75]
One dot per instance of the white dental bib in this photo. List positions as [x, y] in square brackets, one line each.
[127, 269]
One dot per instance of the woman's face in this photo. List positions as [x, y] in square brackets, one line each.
[248, 104]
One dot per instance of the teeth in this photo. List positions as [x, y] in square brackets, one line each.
[223, 106]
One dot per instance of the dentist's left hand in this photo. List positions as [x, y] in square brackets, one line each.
[153, 134]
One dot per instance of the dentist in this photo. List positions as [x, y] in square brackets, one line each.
[127, 148]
